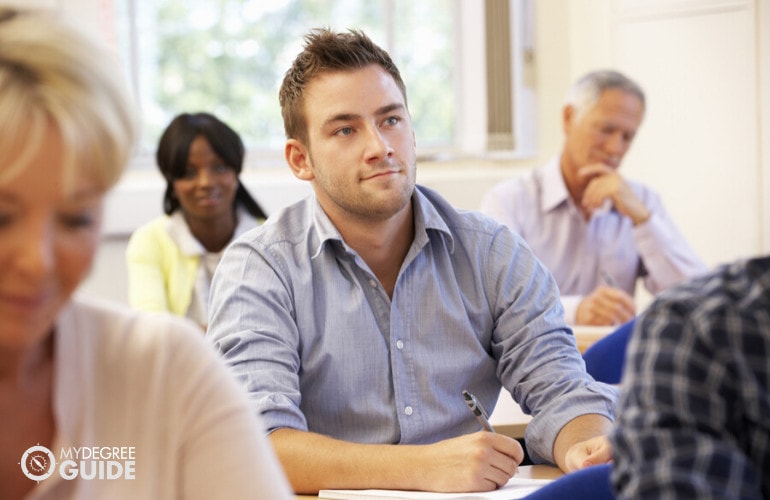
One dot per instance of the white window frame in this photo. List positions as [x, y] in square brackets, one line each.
[471, 137]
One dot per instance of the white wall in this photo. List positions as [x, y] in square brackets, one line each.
[700, 144]
[705, 65]
[763, 63]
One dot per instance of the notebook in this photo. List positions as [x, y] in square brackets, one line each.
[515, 488]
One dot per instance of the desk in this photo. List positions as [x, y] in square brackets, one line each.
[507, 417]
[527, 471]
[585, 336]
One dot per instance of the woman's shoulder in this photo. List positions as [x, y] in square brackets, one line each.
[154, 225]
[115, 327]
[152, 235]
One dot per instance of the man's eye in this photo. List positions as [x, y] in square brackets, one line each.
[392, 120]
[344, 131]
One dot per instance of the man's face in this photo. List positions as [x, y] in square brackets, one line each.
[604, 133]
[360, 154]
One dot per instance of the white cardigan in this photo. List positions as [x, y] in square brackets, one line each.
[151, 382]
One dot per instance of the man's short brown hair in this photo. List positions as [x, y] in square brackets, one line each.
[326, 51]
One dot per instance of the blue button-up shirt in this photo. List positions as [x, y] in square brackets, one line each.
[322, 347]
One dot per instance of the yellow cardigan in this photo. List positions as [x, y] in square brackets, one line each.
[161, 276]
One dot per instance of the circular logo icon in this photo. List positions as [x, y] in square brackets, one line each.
[38, 463]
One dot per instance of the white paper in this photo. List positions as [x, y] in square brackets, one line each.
[515, 488]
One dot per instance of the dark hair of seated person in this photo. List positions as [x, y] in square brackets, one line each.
[174, 148]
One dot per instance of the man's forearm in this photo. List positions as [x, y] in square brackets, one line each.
[313, 462]
[480, 461]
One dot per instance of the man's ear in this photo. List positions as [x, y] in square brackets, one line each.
[297, 157]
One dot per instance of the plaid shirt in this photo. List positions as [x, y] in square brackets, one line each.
[694, 416]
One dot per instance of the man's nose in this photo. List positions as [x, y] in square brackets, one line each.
[616, 144]
[377, 146]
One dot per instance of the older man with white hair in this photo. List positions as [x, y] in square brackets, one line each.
[596, 231]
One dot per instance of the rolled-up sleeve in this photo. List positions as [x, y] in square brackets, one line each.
[539, 362]
[250, 315]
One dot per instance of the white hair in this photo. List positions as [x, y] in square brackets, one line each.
[586, 91]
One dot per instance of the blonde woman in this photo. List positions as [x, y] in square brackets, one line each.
[96, 400]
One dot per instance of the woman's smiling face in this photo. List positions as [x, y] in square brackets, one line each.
[207, 189]
[49, 235]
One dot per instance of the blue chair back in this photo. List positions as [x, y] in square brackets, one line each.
[604, 359]
[591, 483]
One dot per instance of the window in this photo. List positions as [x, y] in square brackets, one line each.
[229, 56]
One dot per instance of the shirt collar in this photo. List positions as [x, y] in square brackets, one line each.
[426, 218]
[180, 233]
[555, 191]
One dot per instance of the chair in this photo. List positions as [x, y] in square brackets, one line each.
[604, 359]
[591, 483]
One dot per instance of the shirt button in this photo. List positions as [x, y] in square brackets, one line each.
[408, 410]
[373, 283]
[399, 344]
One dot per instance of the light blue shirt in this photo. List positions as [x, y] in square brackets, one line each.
[321, 347]
[607, 249]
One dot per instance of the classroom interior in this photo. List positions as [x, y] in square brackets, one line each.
[704, 144]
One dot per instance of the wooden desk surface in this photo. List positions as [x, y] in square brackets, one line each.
[527, 471]
[585, 336]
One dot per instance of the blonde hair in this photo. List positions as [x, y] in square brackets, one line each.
[51, 73]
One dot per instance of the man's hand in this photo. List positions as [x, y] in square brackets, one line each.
[583, 442]
[590, 452]
[605, 183]
[482, 461]
[605, 306]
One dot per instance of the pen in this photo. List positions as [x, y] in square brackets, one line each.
[609, 279]
[478, 410]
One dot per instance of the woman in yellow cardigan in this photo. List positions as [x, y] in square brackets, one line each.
[171, 259]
